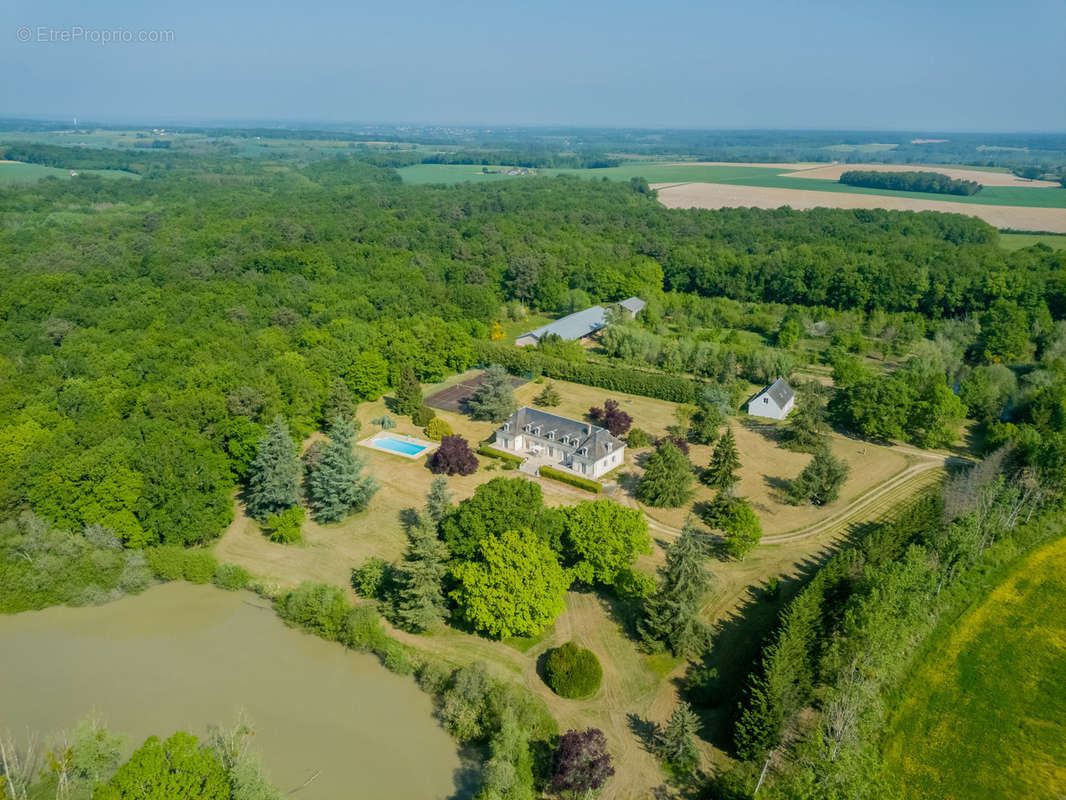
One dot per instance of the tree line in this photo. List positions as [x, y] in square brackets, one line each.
[935, 182]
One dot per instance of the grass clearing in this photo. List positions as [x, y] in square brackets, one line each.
[19, 172]
[984, 713]
[1017, 241]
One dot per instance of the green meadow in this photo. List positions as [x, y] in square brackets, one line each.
[983, 714]
[24, 173]
[1016, 241]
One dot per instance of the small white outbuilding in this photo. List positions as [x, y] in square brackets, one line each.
[773, 402]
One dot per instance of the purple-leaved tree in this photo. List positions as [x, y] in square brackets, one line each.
[612, 417]
[581, 762]
[453, 457]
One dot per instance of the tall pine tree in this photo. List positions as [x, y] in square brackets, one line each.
[274, 484]
[677, 741]
[725, 461]
[672, 614]
[421, 602]
[336, 487]
[438, 500]
[667, 478]
[408, 393]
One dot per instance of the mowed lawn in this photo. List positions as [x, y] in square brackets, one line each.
[985, 711]
[329, 552]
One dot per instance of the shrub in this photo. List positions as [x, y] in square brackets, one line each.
[573, 672]
[317, 608]
[525, 360]
[362, 630]
[368, 580]
[231, 577]
[199, 567]
[423, 416]
[167, 562]
[437, 429]
[284, 527]
[174, 563]
[638, 438]
[574, 480]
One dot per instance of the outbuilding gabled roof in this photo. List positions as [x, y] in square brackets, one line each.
[780, 392]
[634, 305]
[573, 326]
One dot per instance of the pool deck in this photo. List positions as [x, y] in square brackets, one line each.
[427, 447]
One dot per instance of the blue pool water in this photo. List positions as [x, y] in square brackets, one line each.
[400, 446]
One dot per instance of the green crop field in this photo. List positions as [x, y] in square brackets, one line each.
[24, 173]
[1016, 241]
[984, 712]
[741, 175]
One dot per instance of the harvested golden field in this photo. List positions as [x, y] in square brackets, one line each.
[832, 172]
[718, 195]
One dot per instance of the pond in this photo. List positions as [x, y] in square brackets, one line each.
[184, 657]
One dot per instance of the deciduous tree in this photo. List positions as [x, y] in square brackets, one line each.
[581, 763]
[453, 457]
[602, 539]
[516, 587]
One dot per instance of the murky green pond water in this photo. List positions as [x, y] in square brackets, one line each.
[183, 657]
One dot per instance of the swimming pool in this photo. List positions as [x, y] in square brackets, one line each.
[400, 446]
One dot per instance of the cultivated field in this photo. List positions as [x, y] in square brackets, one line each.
[832, 172]
[984, 714]
[1016, 241]
[715, 195]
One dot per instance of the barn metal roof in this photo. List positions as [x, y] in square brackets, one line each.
[573, 326]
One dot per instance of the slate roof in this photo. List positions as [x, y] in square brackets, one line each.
[581, 434]
[573, 326]
[634, 305]
[780, 392]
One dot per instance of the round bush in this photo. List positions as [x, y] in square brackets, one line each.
[231, 577]
[573, 671]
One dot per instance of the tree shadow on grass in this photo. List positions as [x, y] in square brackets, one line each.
[715, 683]
[646, 731]
[778, 487]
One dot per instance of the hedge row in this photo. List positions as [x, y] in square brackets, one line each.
[485, 450]
[574, 480]
[526, 361]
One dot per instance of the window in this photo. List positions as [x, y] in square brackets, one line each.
[507, 426]
[551, 434]
[608, 446]
[536, 431]
[766, 399]
[584, 451]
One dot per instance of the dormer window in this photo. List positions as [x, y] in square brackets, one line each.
[551, 434]
[584, 451]
[536, 431]
[507, 426]
[608, 446]
[528, 428]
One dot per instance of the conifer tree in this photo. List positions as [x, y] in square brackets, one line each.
[274, 485]
[493, 399]
[549, 397]
[725, 461]
[677, 741]
[438, 500]
[337, 486]
[408, 393]
[806, 427]
[672, 615]
[667, 478]
[421, 601]
[339, 403]
[820, 482]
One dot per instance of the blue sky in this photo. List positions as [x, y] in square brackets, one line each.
[942, 65]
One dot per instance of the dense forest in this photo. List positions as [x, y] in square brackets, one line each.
[934, 182]
[152, 328]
